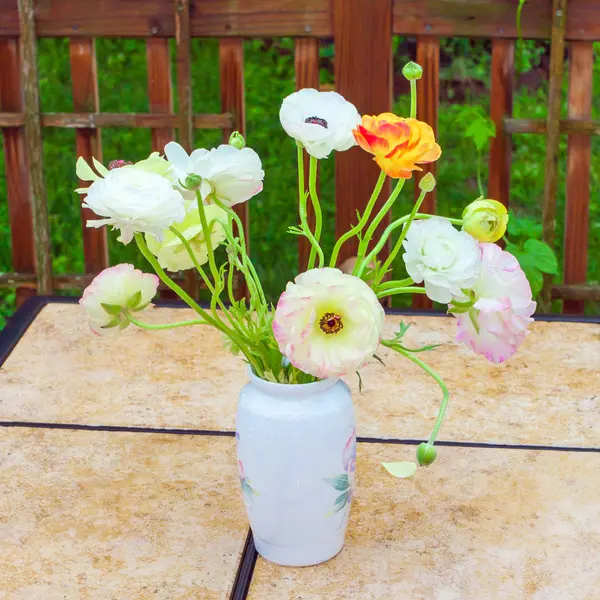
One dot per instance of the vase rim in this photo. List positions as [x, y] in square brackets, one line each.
[291, 389]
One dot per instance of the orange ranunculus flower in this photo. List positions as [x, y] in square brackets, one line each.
[399, 145]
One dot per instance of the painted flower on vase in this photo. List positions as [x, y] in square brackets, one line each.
[321, 121]
[398, 145]
[328, 323]
[172, 253]
[446, 259]
[131, 199]
[115, 293]
[247, 489]
[493, 320]
[344, 483]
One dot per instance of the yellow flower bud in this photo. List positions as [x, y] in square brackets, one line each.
[485, 220]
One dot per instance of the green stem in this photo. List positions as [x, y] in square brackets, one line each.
[161, 326]
[207, 239]
[413, 98]
[364, 244]
[479, 169]
[401, 290]
[394, 283]
[398, 245]
[362, 222]
[302, 197]
[312, 187]
[438, 379]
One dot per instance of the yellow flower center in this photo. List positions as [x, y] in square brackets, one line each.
[331, 323]
[316, 121]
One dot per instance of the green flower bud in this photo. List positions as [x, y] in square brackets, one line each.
[427, 183]
[412, 71]
[485, 220]
[192, 181]
[426, 454]
[236, 139]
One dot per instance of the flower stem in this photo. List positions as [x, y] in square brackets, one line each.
[400, 290]
[438, 379]
[479, 169]
[302, 198]
[398, 245]
[413, 98]
[361, 223]
[312, 187]
[207, 239]
[152, 327]
[364, 244]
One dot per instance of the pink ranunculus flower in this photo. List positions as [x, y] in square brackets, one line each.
[328, 323]
[113, 294]
[496, 324]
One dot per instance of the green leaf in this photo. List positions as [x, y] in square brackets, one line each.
[535, 278]
[480, 131]
[402, 470]
[340, 483]
[111, 309]
[545, 260]
[133, 302]
[114, 323]
[340, 502]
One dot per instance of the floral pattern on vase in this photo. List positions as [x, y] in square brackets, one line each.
[247, 489]
[345, 482]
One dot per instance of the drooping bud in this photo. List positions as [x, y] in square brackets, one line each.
[427, 183]
[412, 71]
[236, 139]
[426, 454]
[485, 220]
[192, 181]
[117, 164]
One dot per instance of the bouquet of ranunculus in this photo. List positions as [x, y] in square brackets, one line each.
[327, 323]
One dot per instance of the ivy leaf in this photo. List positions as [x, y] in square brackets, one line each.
[543, 256]
[480, 131]
[529, 266]
[402, 470]
[340, 483]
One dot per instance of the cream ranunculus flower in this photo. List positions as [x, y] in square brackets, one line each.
[114, 293]
[320, 121]
[172, 254]
[447, 260]
[327, 323]
[130, 199]
[486, 220]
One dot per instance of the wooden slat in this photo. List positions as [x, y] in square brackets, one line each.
[576, 293]
[503, 64]
[428, 91]
[307, 76]
[557, 53]
[159, 88]
[581, 64]
[33, 145]
[88, 142]
[273, 18]
[540, 126]
[17, 179]
[231, 65]
[363, 75]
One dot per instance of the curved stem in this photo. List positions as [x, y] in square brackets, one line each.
[401, 290]
[361, 223]
[394, 283]
[152, 327]
[438, 379]
[398, 245]
[312, 187]
[302, 197]
[207, 239]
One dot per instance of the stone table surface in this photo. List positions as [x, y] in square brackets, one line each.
[118, 475]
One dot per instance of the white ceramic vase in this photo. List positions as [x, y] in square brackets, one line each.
[297, 456]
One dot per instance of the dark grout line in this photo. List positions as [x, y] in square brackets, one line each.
[410, 442]
[116, 428]
[243, 577]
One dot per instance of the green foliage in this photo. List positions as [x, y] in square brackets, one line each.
[480, 131]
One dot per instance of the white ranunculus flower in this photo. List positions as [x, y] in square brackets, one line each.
[114, 293]
[328, 323]
[182, 163]
[447, 260]
[320, 121]
[172, 254]
[132, 200]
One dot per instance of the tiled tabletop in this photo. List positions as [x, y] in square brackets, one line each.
[118, 476]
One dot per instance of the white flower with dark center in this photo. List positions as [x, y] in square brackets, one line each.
[320, 121]
[327, 323]
[447, 260]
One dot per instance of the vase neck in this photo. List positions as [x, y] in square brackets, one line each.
[291, 390]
